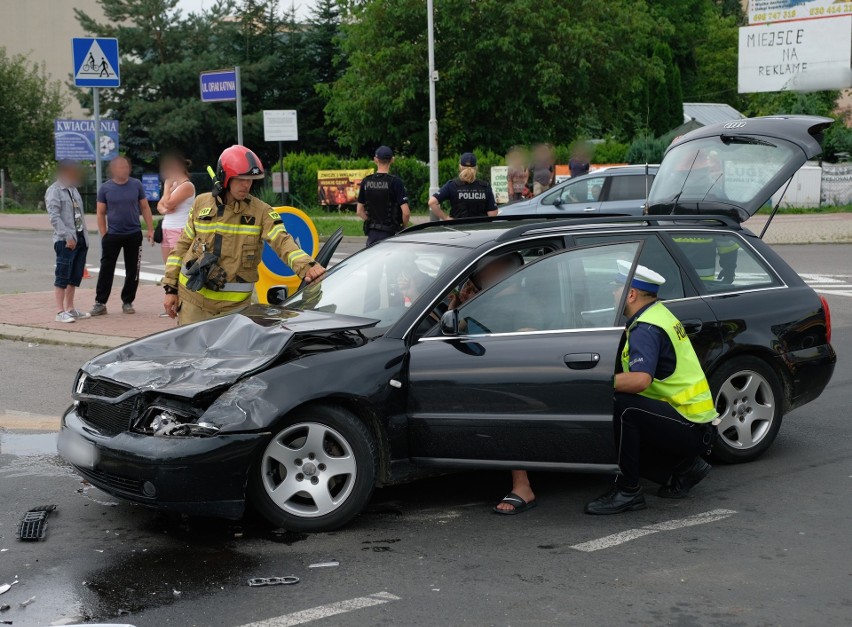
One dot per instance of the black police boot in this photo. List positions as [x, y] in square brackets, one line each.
[682, 481]
[616, 501]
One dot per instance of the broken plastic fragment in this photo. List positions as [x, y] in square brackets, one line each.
[325, 564]
[34, 524]
[273, 581]
[4, 608]
[27, 602]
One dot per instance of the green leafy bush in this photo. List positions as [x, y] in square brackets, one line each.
[646, 149]
[610, 151]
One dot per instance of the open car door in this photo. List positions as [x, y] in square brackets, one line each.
[524, 378]
[734, 168]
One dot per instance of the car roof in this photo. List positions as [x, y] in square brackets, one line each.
[474, 232]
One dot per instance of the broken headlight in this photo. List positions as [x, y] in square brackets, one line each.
[160, 421]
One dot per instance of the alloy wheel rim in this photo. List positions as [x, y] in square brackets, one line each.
[746, 407]
[309, 470]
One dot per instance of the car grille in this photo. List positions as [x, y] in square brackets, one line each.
[108, 418]
[119, 484]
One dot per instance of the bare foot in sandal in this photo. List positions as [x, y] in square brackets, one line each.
[520, 499]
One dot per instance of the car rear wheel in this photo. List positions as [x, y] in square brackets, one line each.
[748, 399]
[317, 472]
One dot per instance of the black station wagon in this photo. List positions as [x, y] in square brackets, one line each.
[370, 377]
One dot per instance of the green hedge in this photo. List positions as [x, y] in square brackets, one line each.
[302, 168]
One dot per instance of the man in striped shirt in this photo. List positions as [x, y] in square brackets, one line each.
[213, 267]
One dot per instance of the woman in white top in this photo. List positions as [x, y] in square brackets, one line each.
[177, 199]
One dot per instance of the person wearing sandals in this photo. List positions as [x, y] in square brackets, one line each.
[177, 199]
[70, 239]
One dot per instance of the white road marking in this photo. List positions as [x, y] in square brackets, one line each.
[324, 611]
[831, 284]
[153, 277]
[631, 534]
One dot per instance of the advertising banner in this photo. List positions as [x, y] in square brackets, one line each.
[563, 172]
[151, 185]
[792, 55]
[339, 187]
[763, 11]
[75, 139]
[500, 183]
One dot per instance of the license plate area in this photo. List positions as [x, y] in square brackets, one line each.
[77, 450]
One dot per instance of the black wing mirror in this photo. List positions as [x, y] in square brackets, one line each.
[276, 295]
[450, 323]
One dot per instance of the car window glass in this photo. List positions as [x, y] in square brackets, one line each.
[654, 256]
[715, 169]
[629, 187]
[576, 289]
[471, 283]
[723, 262]
[380, 282]
[584, 189]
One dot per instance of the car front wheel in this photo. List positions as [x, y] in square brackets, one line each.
[748, 399]
[317, 472]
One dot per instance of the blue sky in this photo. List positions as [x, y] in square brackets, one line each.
[303, 7]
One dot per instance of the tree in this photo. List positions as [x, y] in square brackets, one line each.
[560, 68]
[163, 52]
[665, 99]
[326, 62]
[29, 102]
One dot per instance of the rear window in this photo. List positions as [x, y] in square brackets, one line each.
[724, 263]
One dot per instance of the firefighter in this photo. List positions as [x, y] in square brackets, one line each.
[213, 267]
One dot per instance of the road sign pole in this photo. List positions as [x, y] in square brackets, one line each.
[281, 162]
[239, 105]
[96, 108]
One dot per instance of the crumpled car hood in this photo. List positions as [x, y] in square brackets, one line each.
[187, 360]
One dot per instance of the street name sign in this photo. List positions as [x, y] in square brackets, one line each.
[219, 86]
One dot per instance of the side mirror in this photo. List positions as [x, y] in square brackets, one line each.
[276, 295]
[450, 323]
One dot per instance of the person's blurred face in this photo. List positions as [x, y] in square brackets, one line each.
[119, 168]
[170, 169]
[240, 188]
[493, 273]
[70, 175]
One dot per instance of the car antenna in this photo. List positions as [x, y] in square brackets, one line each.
[775, 210]
[676, 199]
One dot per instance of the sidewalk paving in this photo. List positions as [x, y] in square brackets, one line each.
[30, 317]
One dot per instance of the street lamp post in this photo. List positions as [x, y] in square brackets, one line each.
[433, 116]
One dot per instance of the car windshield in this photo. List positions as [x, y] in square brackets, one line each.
[726, 169]
[380, 283]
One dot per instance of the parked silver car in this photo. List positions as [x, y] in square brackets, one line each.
[618, 189]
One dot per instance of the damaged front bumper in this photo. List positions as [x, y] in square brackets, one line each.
[203, 476]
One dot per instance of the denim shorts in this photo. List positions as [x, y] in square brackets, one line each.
[69, 263]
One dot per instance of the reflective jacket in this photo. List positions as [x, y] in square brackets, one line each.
[686, 389]
[244, 227]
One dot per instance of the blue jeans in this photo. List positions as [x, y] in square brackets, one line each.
[70, 263]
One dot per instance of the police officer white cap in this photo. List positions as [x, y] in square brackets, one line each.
[644, 278]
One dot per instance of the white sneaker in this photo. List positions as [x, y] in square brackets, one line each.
[64, 316]
[77, 314]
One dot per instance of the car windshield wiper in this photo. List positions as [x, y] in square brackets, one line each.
[740, 139]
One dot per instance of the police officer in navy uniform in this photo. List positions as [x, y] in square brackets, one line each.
[663, 413]
[382, 201]
[469, 197]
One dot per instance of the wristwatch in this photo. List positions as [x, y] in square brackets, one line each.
[312, 263]
[170, 290]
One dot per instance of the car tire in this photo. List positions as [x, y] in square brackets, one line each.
[749, 399]
[317, 472]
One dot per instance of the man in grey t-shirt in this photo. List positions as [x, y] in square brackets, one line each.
[120, 202]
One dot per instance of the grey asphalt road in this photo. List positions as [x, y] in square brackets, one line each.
[27, 259]
[432, 553]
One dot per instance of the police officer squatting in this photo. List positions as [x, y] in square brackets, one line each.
[213, 267]
[382, 200]
[663, 408]
[469, 196]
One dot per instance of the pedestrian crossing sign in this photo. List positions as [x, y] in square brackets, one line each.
[96, 62]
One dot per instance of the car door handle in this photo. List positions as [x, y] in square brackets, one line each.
[582, 361]
[590, 209]
[692, 327]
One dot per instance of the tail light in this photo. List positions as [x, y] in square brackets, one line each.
[827, 310]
